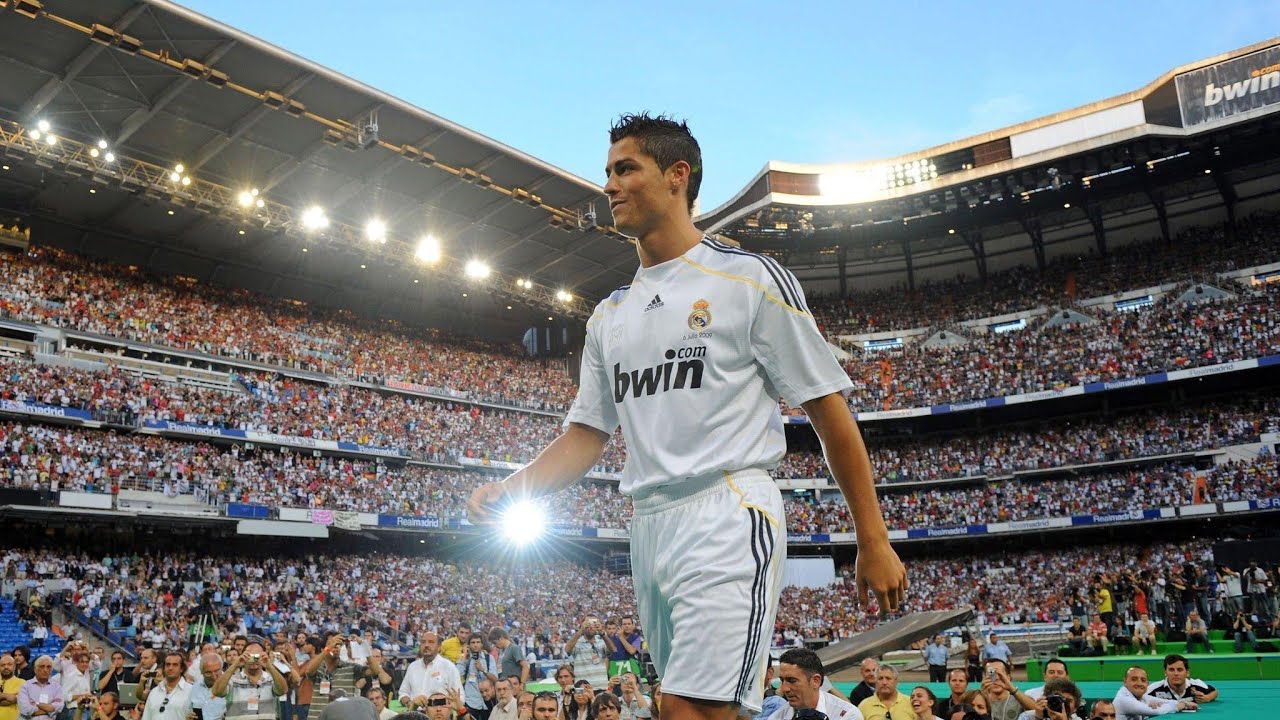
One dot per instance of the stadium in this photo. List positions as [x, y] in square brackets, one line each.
[264, 329]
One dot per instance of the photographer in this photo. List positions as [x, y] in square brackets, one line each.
[251, 685]
[374, 676]
[1243, 630]
[111, 677]
[589, 652]
[1007, 701]
[476, 665]
[801, 673]
[1061, 699]
[76, 688]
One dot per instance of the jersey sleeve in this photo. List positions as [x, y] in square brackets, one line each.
[786, 341]
[594, 404]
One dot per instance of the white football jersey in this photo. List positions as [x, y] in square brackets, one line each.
[690, 359]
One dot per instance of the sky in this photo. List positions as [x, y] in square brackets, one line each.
[809, 82]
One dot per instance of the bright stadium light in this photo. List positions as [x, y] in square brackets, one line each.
[186, 180]
[35, 134]
[428, 250]
[110, 157]
[564, 296]
[43, 125]
[524, 522]
[50, 139]
[102, 144]
[854, 185]
[376, 231]
[175, 176]
[477, 270]
[94, 152]
[245, 198]
[313, 218]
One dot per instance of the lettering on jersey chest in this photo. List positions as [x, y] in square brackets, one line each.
[662, 345]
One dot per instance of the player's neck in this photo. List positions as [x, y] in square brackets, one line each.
[670, 239]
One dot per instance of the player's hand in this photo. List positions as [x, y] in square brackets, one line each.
[483, 506]
[878, 570]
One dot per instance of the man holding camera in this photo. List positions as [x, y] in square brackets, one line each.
[1179, 685]
[588, 650]
[475, 667]
[801, 673]
[251, 685]
[1060, 700]
[1242, 629]
[108, 707]
[1007, 701]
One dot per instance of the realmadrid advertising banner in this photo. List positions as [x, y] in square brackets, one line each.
[1230, 88]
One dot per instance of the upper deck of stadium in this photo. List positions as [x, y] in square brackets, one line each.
[154, 86]
[1198, 140]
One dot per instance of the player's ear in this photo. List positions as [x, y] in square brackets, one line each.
[678, 175]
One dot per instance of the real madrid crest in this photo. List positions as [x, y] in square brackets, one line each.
[700, 318]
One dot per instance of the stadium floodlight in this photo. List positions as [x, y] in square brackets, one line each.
[186, 180]
[376, 231]
[102, 144]
[564, 296]
[428, 250]
[43, 125]
[35, 134]
[179, 168]
[524, 522]
[477, 269]
[854, 185]
[175, 176]
[50, 139]
[110, 157]
[245, 198]
[94, 152]
[313, 218]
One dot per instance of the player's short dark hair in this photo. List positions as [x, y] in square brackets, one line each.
[1055, 661]
[1174, 659]
[666, 141]
[805, 659]
[496, 634]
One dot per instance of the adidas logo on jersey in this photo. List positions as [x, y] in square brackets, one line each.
[687, 374]
[654, 304]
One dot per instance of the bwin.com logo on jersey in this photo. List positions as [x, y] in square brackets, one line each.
[687, 374]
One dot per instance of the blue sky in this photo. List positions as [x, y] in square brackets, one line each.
[803, 81]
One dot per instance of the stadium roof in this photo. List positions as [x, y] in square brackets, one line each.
[1157, 146]
[163, 86]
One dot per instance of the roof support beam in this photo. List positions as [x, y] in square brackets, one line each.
[1032, 227]
[286, 169]
[1229, 198]
[140, 117]
[1156, 197]
[842, 262]
[47, 92]
[973, 238]
[911, 270]
[1094, 212]
[211, 149]
[355, 186]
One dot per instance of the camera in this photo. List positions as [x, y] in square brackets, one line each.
[1056, 702]
[810, 714]
[254, 657]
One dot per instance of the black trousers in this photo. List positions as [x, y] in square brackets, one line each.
[937, 673]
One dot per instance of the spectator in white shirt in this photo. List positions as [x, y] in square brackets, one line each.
[428, 675]
[1133, 703]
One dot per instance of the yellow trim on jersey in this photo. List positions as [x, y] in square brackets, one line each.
[729, 276]
[742, 500]
[599, 311]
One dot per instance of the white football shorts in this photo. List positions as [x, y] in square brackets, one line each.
[706, 558]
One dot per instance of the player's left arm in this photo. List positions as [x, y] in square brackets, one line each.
[878, 568]
[1206, 696]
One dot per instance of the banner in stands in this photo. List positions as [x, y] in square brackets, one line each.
[1093, 387]
[423, 522]
[241, 510]
[268, 438]
[1115, 517]
[1229, 88]
[43, 410]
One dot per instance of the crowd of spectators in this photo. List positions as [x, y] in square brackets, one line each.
[1058, 444]
[438, 431]
[51, 458]
[54, 287]
[57, 288]
[1197, 253]
[1170, 335]
[1002, 587]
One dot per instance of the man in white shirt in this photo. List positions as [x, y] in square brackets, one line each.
[171, 697]
[690, 360]
[428, 675]
[507, 708]
[1133, 703]
[801, 674]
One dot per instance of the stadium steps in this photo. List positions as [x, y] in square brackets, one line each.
[344, 679]
[12, 634]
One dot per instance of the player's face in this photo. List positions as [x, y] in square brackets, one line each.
[1176, 673]
[639, 192]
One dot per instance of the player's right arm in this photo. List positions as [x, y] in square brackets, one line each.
[590, 424]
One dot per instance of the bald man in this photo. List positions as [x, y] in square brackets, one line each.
[431, 673]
